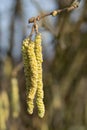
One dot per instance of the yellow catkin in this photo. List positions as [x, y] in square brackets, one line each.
[15, 98]
[30, 69]
[4, 110]
[26, 62]
[40, 93]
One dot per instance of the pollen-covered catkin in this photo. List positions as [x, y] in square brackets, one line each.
[30, 69]
[15, 98]
[27, 73]
[39, 93]
[26, 62]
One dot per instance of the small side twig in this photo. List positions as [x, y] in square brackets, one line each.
[74, 5]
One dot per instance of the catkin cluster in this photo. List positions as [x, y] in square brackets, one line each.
[32, 59]
[15, 98]
[4, 110]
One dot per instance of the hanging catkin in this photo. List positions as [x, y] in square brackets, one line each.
[15, 98]
[39, 93]
[30, 70]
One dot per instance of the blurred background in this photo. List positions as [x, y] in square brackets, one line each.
[64, 41]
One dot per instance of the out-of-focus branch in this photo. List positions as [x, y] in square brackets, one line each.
[17, 69]
[73, 72]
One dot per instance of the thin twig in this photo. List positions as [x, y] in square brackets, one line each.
[55, 12]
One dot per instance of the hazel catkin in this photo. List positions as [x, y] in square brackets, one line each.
[25, 62]
[39, 93]
[30, 70]
[4, 110]
[15, 98]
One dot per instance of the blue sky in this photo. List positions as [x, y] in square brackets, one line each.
[29, 9]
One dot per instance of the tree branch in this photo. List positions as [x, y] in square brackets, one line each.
[74, 5]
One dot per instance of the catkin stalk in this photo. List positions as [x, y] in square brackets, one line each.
[39, 93]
